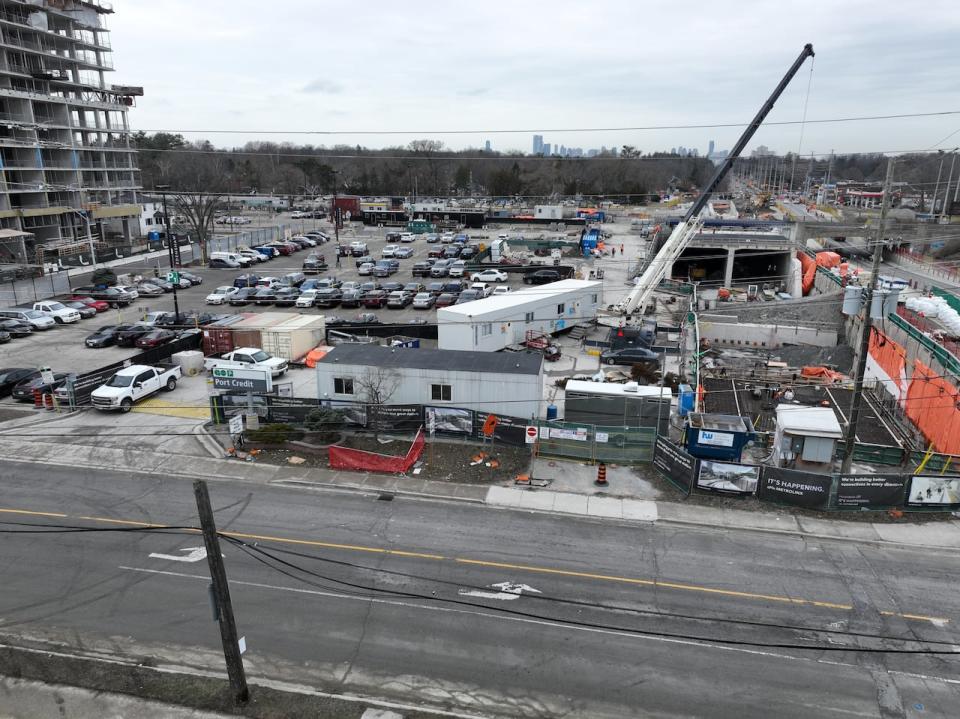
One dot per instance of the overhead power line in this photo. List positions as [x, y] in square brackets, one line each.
[637, 128]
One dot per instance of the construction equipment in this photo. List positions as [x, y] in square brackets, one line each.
[691, 223]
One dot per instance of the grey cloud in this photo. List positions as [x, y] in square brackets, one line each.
[323, 86]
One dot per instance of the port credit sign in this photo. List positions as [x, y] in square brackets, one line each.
[242, 380]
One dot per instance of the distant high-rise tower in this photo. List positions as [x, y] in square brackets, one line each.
[537, 144]
[710, 148]
[545, 148]
[486, 146]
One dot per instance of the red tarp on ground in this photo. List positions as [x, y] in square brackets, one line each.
[809, 268]
[357, 459]
[828, 259]
[932, 405]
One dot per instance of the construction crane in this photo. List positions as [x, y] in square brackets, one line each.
[692, 223]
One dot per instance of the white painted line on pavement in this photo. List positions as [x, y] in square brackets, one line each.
[195, 555]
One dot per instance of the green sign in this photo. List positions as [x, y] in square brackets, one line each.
[173, 277]
[223, 373]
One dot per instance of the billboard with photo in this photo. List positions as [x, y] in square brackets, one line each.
[801, 489]
[509, 430]
[674, 463]
[928, 490]
[726, 477]
[397, 417]
[355, 414]
[870, 491]
[449, 419]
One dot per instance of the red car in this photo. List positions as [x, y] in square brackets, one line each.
[155, 338]
[98, 305]
[375, 298]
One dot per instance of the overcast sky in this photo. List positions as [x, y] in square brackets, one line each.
[427, 67]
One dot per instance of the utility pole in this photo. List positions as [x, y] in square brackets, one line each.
[867, 324]
[936, 188]
[946, 192]
[221, 595]
[172, 252]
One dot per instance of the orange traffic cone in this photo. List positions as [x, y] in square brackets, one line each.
[601, 475]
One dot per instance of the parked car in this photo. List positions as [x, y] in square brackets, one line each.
[149, 289]
[420, 269]
[435, 288]
[243, 296]
[328, 297]
[98, 305]
[155, 338]
[366, 269]
[105, 336]
[424, 301]
[398, 300]
[408, 237]
[265, 296]
[358, 248]
[85, 311]
[445, 300]
[248, 358]
[268, 252]
[452, 251]
[314, 264]
[414, 288]
[306, 299]
[389, 287]
[246, 281]
[490, 275]
[253, 255]
[388, 250]
[469, 296]
[351, 298]
[23, 391]
[501, 290]
[457, 269]
[441, 268]
[435, 253]
[629, 356]
[431, 239]
[4, 337]
[221, 295]
[129, 289]
[16, 328]
[286, 297]
[281, 247]
[162, 284]
[35, 318]
[10, 377]
[541, 277]
[130, 336]
[220, 263]
[293, 279]
[483, 288]
[367, 318]
[383, 268]
[374, 299]
[351, 285]
[326, 283]
[192, 278]
[403, 253]
[110, 295]
[454, 287]
[271, 282]
[469, 252]
[446, 238]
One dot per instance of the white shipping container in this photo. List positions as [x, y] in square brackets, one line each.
[293, 339]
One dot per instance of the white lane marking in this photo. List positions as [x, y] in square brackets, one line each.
[540, 622]
[508, 591]
[195, 555]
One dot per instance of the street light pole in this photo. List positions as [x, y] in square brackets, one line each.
[166, 219]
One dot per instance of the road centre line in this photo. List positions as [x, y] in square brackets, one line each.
[635, 581]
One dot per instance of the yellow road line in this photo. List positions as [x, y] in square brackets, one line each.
[635, 581]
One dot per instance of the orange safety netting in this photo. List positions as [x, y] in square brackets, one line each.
[809, 268]
[932, 405]
[359, 460]
[891, 357]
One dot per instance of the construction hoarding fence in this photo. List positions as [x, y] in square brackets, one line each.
[800, 489]
[675, 464]
[595, 443]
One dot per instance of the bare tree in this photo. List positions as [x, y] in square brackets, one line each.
[199, 209]
[377, 386]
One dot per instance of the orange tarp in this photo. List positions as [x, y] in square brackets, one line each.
[932, 405]
[828, 259]
[809, 268]
[825, 372]
[891, 357]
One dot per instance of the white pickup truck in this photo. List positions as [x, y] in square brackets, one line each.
[58, 311]
[248, 358]
[132, 384]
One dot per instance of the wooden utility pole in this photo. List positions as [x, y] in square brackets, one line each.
[221, 595]
[867, 324]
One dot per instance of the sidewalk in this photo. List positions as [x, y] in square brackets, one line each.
[595, 504]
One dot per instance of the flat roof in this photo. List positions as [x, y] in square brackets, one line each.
[810, 421]
[373, 355]
[510, 300]
[618, 389]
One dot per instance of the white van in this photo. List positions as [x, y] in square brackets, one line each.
[232, 257]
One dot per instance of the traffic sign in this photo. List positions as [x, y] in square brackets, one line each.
[242, 380]
[236, 424]
[531, 434]
[173, 277]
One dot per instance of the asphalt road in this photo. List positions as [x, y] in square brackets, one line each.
[397, 600]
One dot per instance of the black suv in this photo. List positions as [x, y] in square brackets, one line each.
[541, 277]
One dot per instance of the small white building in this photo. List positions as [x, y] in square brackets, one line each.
[498, 321]
[151, 217]
[548, 212]
[806, 437]
[510, 383]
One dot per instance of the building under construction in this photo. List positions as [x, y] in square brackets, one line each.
[69, 176]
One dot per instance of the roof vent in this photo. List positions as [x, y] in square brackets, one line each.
[631, 387]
